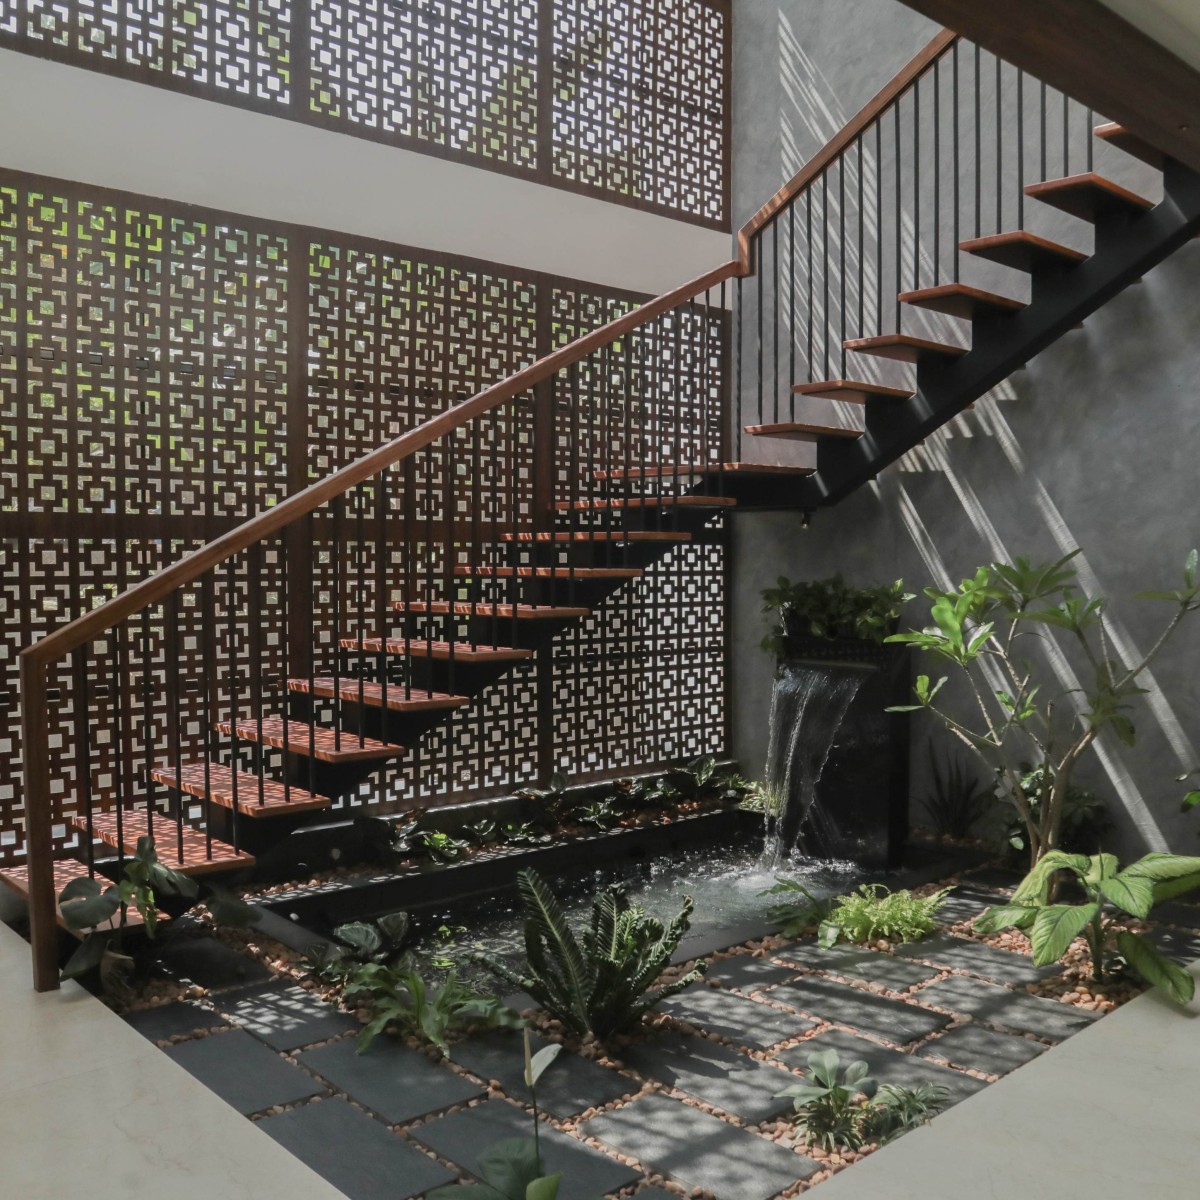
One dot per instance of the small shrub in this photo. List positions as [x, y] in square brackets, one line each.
[956, 800]
[895, 1110]
[831, 608]
[875, 912]
[360, 942]
[800, 910]
[1085, 818]
[603, 982]
[398, 996]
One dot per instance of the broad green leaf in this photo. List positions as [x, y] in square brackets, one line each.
[1155, 968]
[89, 913]
[803, 1093]
[1007, 916]
[545, 1188]
[856, 1071]
[360, 936]
[511, 1166]
[1159, 867]
[1033, 888]
[1103, 866]
[540, 1061]
[1056, 927]
[86, 958]
[81, 889]
[1170, 888]
[828, 934]
[1133, 894]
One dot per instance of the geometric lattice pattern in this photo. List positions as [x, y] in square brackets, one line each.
[161, 380]
[626, 99]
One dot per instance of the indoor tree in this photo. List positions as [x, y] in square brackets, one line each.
[986, 629]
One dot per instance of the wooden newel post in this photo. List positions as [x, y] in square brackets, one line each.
[39, 847]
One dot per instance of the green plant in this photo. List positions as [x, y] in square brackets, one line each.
[831, 608]
[551, 800]
[956, 800]
[360, 942]
[398, 996]
[1108, 892]
[875, 912]
[87, 904]
[523, 834]
[1084, 823]
[482, 832]
[601, 815]
[982, 628]
[388, 840]
[831, 1113]
[846, 1109]
[513, 1169]
[895, 1110]
[441, 846]
[604, 981]
[800, 910]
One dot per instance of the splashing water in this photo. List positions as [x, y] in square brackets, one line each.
[808, 705]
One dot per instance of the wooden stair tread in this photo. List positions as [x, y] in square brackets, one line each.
[464, 652]
[197, 858]
[399, 698]
[802, 431]
[904, 347]
[960, 300]
[1022, 250]
[688, 501]
[699, 469]
[1089, 196]
[319, 741]
[257, 797]
[482, 608]
[851, 390]
[65, 870]
[1119, 136]
[490, 572]
[601, 535]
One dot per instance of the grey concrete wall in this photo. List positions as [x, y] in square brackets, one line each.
[1091, 445]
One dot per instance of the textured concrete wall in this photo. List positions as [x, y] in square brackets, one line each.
[1091, 445]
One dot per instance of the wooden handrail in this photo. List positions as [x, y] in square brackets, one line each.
[56, 645]
[845, 136]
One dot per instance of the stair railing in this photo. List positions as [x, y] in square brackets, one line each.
[304, 594]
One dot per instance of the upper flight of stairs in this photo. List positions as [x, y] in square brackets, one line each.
[489, 617]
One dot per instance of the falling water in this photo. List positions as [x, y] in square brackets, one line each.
[808, 705]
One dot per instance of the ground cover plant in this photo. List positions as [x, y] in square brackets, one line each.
[797, 910]
[359, 942]
[844, 1109]
[984, 630]
[873, 912]
[603, 980]
[831, 608]
[956, 799]
[1109, 896]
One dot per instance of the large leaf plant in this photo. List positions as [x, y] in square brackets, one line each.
[985, 629]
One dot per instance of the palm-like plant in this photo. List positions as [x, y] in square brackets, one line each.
[601, 982]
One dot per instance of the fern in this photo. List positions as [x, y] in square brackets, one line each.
[602, 981]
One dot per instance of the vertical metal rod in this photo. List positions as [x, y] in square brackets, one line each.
[954, 104]
[1020, 149]
[774, 315]
[978, 145]
[791, 325]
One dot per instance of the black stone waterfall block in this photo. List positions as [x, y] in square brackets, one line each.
[838, 761]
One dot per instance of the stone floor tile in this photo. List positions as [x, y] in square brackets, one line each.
[210, 964]
[994, 1005]
[855, 962]
[398, 1083]
[893, 1020]
[747, 973]
[570, 1085]
[285, 1016]
[699, 1150]
[174, 1020]
[462, 1136]
[746, 1022]
[989, 962]
[358, 1155]
[975, 1048]
[243, 1072]
[965, 903]
[709, 1071]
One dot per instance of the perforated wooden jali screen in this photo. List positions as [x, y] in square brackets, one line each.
[166, 371]
[626, 99]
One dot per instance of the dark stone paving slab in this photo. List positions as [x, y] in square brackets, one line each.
[463, 1136]
[708, 1071]
[963, 954]
[747, 973]
[704, 940]
[887, 1066]
[284, 1016]
[1180, 944]
[359, 1156]
[892, 1020]
[390, 1079]
[966, 903]
[243, 1072]
[210, 964]
[699, 1150]
[174, 1020]
[995, 1005]
[746, 1022]
[854, 962]
[570, 1085]
[994, 879]
[1178, 912]
[977, 1049]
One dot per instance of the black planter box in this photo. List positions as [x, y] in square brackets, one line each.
[862, 791]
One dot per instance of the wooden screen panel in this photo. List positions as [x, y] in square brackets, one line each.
[459, 75]
[640, 101]
[230, 49]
